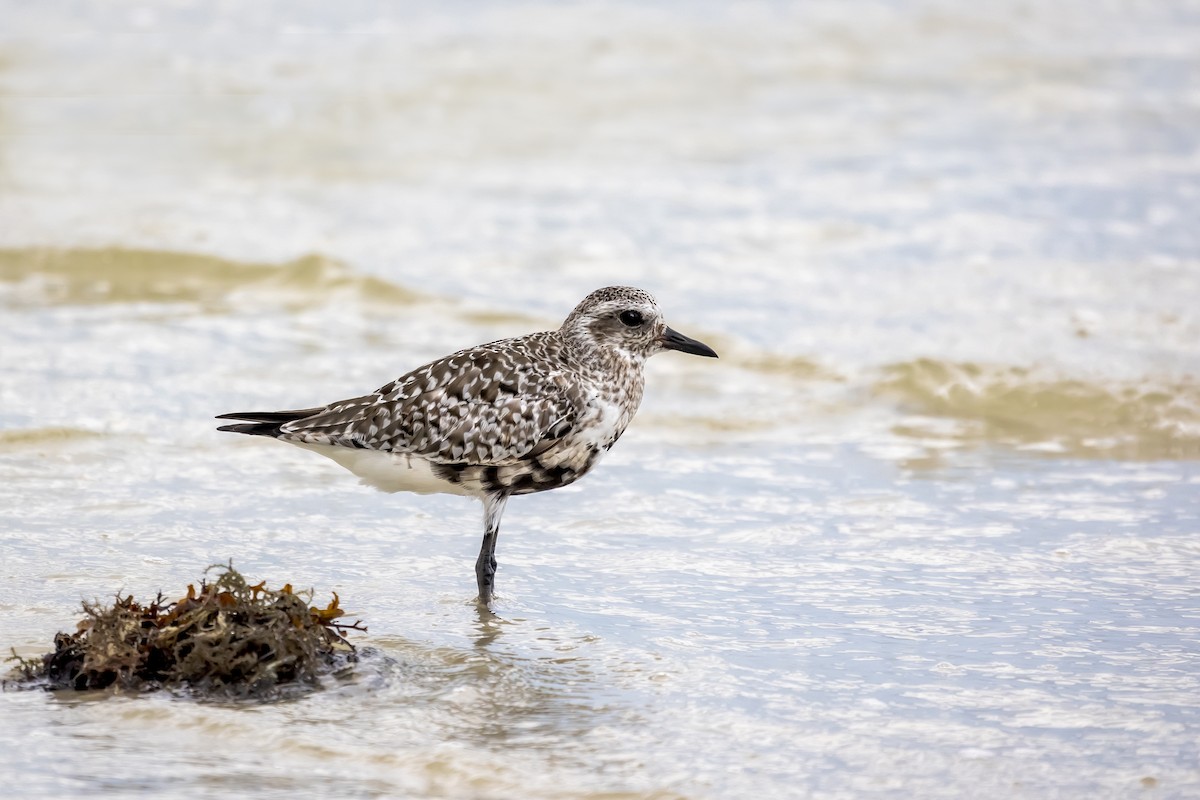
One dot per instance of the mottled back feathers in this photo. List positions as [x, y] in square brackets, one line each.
[492, 404]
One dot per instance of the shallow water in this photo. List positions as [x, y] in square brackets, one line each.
[927, 528]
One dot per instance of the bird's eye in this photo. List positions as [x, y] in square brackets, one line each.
[631, 318]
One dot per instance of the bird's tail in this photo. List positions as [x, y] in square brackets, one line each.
[263, 423]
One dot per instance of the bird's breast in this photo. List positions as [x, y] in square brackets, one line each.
[602, 424]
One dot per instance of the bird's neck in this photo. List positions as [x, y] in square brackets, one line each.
[621, 373]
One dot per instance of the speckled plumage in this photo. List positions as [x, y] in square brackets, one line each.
[511, 417]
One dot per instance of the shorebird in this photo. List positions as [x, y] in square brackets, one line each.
[511, 417]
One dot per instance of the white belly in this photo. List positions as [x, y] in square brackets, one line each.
[388, 472]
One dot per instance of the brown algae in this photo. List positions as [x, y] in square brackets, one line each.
[227, 638]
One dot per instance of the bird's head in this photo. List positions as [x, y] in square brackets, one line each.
[626, 322]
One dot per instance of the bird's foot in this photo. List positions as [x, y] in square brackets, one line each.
[485, 577]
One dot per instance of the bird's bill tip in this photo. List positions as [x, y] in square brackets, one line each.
[674, 340]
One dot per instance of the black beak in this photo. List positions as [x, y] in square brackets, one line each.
[674, 340]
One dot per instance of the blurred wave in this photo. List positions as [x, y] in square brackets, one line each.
[36, 437]
[1017, 406]
[936, 406]
[50, 277]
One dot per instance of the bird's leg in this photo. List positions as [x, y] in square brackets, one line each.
[485, 570]
[485, 565]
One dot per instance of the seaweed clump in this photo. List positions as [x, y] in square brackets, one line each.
[227, 638]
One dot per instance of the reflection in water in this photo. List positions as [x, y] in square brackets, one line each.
[497, 694]
[490, 626]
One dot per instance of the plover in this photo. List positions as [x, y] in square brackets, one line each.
[515, 416]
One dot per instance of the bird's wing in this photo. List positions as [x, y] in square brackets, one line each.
[474, 407]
